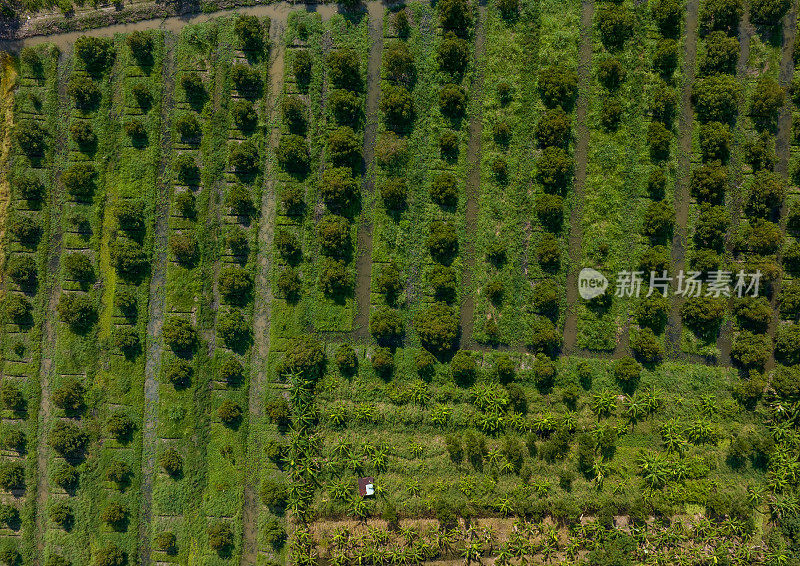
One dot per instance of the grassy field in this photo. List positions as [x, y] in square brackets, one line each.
[167, 193]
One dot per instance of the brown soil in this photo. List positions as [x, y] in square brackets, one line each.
[467, 312]
[155, 320]
[682, 194]
[783, 138]
[364, 261]
[581, 158]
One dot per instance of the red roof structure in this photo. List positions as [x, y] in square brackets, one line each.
[366, 487]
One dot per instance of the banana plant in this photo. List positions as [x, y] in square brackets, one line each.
[604, 403]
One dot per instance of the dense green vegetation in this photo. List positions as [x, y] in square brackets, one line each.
[183, 373]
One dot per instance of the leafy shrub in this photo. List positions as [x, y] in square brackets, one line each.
[18, 309]
[615, 24]
[658, 138]
[553, 129]
[220, 537]
[229, 413]
[187, 170]
[193, 87]
[293, 155]
[79, 267]
[77, 310]
[442, 241]
[65, 476]
[305, 357]
[444, 190]
[22, 270]
[437, 327]
[665, 58]
[383, 362]
[394, 193]
[346, 359]
[141, 46]
[166, 542]
[344, 69]
[715, 141]
[129, 258]
[235, 284]
[702, 314]
[708, 183]
[766, 195]
[610, 73]
[659, 219]
[443, 281]
[244, 115]
[544, 338]
[184, 248]
[769, 12]
[558, 86]
[550, 211]
[84, 93]
[722, 14]
[12, 476]
[646, 347]
[335, 278]
[25, 229]
[179, 334]
[452, 101]
[231, 372]
[79, 180]
[464, 368]
[787, 344]
[130, 215]
[333, 233]
[171, 462]
[11, 398]
[69, 396]
[110, 555]
[455, 16]
[115, 515]
[716, 98]
[751, 351]
[345, 106]
[68, 440]
[118, 472]
[28, 187]
[232, 327]
[721, 54]
[386, 325]
[344, 148]
[119, 425]
[82, 134]
[627, 370]
[96, 53]
[244, 158]
[397, 105]
[453, 55]
[398, 63]
[338, 188]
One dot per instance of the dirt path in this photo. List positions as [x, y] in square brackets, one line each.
[581, 159]
[782, 140]
[733, 198]
[7, 83]
[53, 286]
[682, 193]
[364, 261]
[155, 319]
[467, 312]
[263, 306]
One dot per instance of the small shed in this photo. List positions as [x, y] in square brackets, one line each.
[366, 487]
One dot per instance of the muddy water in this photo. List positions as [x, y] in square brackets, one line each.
[278, 12]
